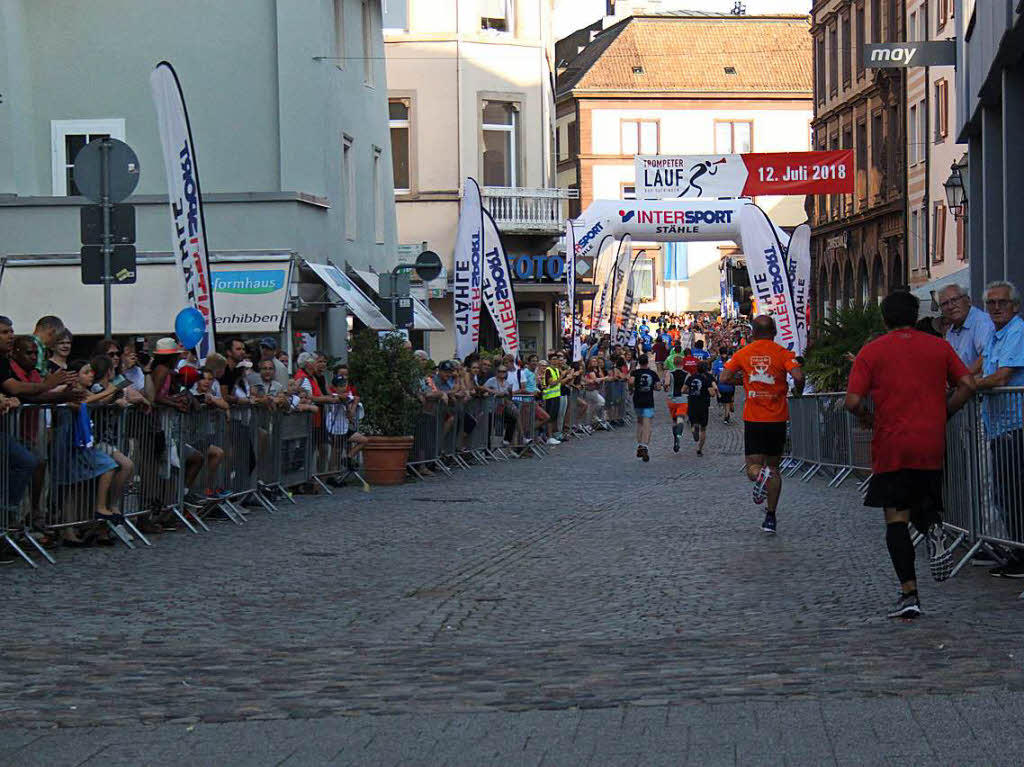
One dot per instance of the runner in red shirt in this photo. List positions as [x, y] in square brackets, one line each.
[909, 442]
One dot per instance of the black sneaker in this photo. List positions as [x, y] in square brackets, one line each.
[644, 454]
[639, 451]
[700, 452]
[769, 523]
[907, 606]
[675, 443]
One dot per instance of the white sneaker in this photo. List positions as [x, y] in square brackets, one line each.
[553, 441]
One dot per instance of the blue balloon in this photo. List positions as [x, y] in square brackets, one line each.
[190, 327]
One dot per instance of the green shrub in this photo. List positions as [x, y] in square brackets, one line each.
[387, 377]
[827, 362]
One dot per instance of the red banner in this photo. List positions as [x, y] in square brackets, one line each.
[799, 173]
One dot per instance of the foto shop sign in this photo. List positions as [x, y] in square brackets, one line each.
[538, 268]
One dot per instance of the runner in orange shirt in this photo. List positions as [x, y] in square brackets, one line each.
[764, 365]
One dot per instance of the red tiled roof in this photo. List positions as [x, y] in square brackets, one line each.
[690, 55]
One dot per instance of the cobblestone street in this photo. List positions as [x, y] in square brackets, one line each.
[583, 608]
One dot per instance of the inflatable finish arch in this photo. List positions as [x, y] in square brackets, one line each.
[779, 273]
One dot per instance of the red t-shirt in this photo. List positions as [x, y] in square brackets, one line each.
[689, 364]
[907, 373]
[660, 351]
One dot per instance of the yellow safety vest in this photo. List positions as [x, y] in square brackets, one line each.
[555, 390]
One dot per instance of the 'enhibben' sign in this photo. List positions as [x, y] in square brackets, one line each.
[937, 53]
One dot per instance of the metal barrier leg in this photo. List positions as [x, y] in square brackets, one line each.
[121, 534]
[185, 521]
[40, 548]
[136, 532]
[19, 551]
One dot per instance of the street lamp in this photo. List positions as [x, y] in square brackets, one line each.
[956, 197]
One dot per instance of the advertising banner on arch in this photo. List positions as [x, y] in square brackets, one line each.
[798, 262]
[709, 176]
[467, 271]
[769, 278]
[188, 225]
[496, 288]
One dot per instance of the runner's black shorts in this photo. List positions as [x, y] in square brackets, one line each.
[905, 489]
[551, 406]
[726, 397]
[764, 438]
[698, 413]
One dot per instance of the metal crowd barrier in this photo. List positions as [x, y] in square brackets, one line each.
[983, 473]
[824, 437]
[62, 467]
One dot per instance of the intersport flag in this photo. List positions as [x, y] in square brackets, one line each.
[623, 261]
[661, 177]
[798, 262]
[570, 288]
[496, 288]
[628, 304]
[603, 272]
[769, 278]
[188, 225]
[467, 271]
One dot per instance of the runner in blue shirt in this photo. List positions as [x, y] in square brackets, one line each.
[699, 351]
[726, 392]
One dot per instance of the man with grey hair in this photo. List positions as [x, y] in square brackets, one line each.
[1002, 364]
[969, 327]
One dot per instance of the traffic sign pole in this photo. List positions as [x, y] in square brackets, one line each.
[107, 246]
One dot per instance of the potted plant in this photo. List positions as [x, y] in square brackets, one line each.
[387, 377]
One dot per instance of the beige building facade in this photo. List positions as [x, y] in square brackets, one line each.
[858, 244]
[470, 95]
[936, 247]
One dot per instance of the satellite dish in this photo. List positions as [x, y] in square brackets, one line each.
[428, 265]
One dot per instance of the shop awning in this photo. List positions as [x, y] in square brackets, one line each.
[249, 291]
[422, 317]
[357, 302]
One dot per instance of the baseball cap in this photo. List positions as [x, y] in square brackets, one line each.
[268, 342]
[447, 366]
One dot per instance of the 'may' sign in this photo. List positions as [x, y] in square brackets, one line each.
[936, 53]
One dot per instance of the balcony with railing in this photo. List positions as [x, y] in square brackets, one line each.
[525, 210]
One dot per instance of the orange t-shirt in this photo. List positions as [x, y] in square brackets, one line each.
[764, 365]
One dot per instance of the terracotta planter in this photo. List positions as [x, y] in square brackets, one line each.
[384, 459]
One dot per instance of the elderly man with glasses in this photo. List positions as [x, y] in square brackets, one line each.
[969, 327]
[1002, 364]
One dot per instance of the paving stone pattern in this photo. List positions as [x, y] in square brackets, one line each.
[583, 608]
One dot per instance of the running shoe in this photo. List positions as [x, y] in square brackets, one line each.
[645, 455]
[639, 451]
[907, 606]
[761, 485]
[769, 523]
[675, 443]
[553, 441]
[940, 555]
[700, 452]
